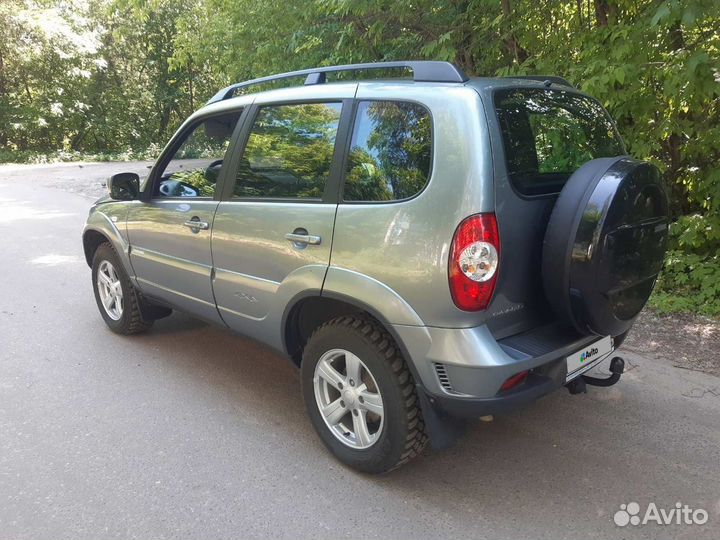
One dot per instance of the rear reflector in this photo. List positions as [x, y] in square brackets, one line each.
[514, 381]
[474, 262]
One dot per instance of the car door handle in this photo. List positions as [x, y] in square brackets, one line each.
[197, 224]
[303, 238]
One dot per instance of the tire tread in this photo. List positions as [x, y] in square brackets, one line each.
[384, 344]
[136, 324]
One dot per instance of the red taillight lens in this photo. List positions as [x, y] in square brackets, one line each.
[474, 262]
[515, 380]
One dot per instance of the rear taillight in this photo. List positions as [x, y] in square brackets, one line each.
[474, 262]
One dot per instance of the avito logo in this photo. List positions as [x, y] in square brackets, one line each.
[682, 514]
[588, 354]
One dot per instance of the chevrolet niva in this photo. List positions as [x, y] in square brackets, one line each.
[425, 249]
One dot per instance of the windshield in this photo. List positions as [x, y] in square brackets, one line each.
[549, 134]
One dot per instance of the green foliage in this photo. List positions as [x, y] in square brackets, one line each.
[289, 151]
[392, 159]
[150, 153]
[91, 76]
[691, 277]
[106, 76]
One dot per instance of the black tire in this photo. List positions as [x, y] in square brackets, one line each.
[402, 435]
[132, 320]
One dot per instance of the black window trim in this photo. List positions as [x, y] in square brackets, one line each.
[178, 139]
[332, 186]
[346, 150]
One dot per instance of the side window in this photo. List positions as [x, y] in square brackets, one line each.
[289, 151]
[194, 168]
[390, 152]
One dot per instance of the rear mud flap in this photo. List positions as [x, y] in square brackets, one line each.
[442, 429]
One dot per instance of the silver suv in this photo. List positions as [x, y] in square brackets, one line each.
[425, 249]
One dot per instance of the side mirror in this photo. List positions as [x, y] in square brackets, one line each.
[124, 186]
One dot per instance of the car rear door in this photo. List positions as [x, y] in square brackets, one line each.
[273, 229]
[170, 228]
[540, 136]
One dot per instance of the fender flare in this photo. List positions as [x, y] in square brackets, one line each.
[390, 307]
[102, 224]
[366, 294]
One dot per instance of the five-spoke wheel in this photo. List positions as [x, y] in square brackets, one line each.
[348, 398]
[110, 290]
[360, 395]
[118, 301]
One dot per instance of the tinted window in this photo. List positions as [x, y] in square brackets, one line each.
[390, 152]
[549, 134]
[289, 151]
[194, 168]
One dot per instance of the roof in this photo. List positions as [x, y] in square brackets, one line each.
[425, 73]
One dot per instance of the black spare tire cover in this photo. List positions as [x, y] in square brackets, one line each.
[605, 243]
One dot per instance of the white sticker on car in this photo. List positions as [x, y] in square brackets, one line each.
[586, 358]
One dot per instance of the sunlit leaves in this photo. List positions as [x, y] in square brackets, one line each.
[113, 75]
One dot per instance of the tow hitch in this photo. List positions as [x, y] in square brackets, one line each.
[579, 385]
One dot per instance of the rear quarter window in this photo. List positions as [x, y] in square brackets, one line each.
[390, 152]
[548, 134]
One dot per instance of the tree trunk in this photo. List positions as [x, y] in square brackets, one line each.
[190, 86]
[78, 138]
[679, 194]
[463, 23]
[613, 12]
[677, 39]
[580, 13]
[511, 42]
[166, 109]
[27, 90]
[3, 137]
[606, 12]
[2, 75]
[601, 12]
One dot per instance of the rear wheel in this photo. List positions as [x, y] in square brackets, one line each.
[118, 301]
[360, 395]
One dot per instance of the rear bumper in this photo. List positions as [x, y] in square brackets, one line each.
[532, 389]
[460, 371]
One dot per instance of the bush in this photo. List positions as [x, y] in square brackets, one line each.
[690, 280]
[64, 156]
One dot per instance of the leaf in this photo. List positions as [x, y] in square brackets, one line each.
[662, 12]
[619, 75]
[696, 60]
[689, 17]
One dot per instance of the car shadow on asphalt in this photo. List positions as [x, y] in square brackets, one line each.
[575, 447]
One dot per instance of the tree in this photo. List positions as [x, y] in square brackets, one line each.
[119, 75]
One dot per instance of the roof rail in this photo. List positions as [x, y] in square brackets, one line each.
[423, 71]
[552, 79]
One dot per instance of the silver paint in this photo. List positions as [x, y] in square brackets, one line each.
[388, 258]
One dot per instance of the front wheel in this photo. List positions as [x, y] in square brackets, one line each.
[360, 395]
[117, 299]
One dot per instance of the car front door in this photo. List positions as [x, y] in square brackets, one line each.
[273, 230]
[170, 228]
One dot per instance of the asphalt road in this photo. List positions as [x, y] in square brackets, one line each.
[192, 432]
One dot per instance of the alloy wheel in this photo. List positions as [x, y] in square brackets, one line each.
[348, 398]
[110, 290]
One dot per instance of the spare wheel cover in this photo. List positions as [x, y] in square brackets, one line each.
[605, 243]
